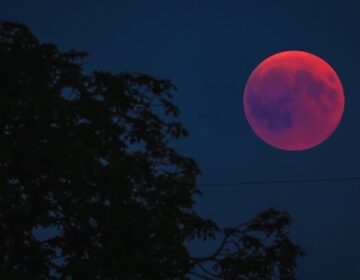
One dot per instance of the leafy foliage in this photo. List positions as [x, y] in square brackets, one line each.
[89, 157]
[260, 249]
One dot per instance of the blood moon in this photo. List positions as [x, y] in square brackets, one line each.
[294, 100]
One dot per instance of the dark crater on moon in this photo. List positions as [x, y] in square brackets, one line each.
[274, 114]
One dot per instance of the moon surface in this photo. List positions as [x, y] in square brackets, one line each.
[294, 100]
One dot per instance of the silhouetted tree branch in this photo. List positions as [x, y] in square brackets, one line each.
[245, 254]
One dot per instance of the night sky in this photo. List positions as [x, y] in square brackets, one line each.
[208, 49]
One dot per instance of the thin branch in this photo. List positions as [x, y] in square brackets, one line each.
[224, 242]
[213, 256]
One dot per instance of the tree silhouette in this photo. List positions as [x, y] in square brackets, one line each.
[89, 157]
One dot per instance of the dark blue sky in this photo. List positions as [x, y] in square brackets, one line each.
[208, 49]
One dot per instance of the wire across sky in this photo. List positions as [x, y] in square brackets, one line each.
[288, 181]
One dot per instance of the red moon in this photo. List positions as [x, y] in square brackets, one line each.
[294, 100]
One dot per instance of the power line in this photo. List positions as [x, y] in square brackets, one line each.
[289, 181]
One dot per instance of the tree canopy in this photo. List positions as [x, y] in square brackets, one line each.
[89, 157]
